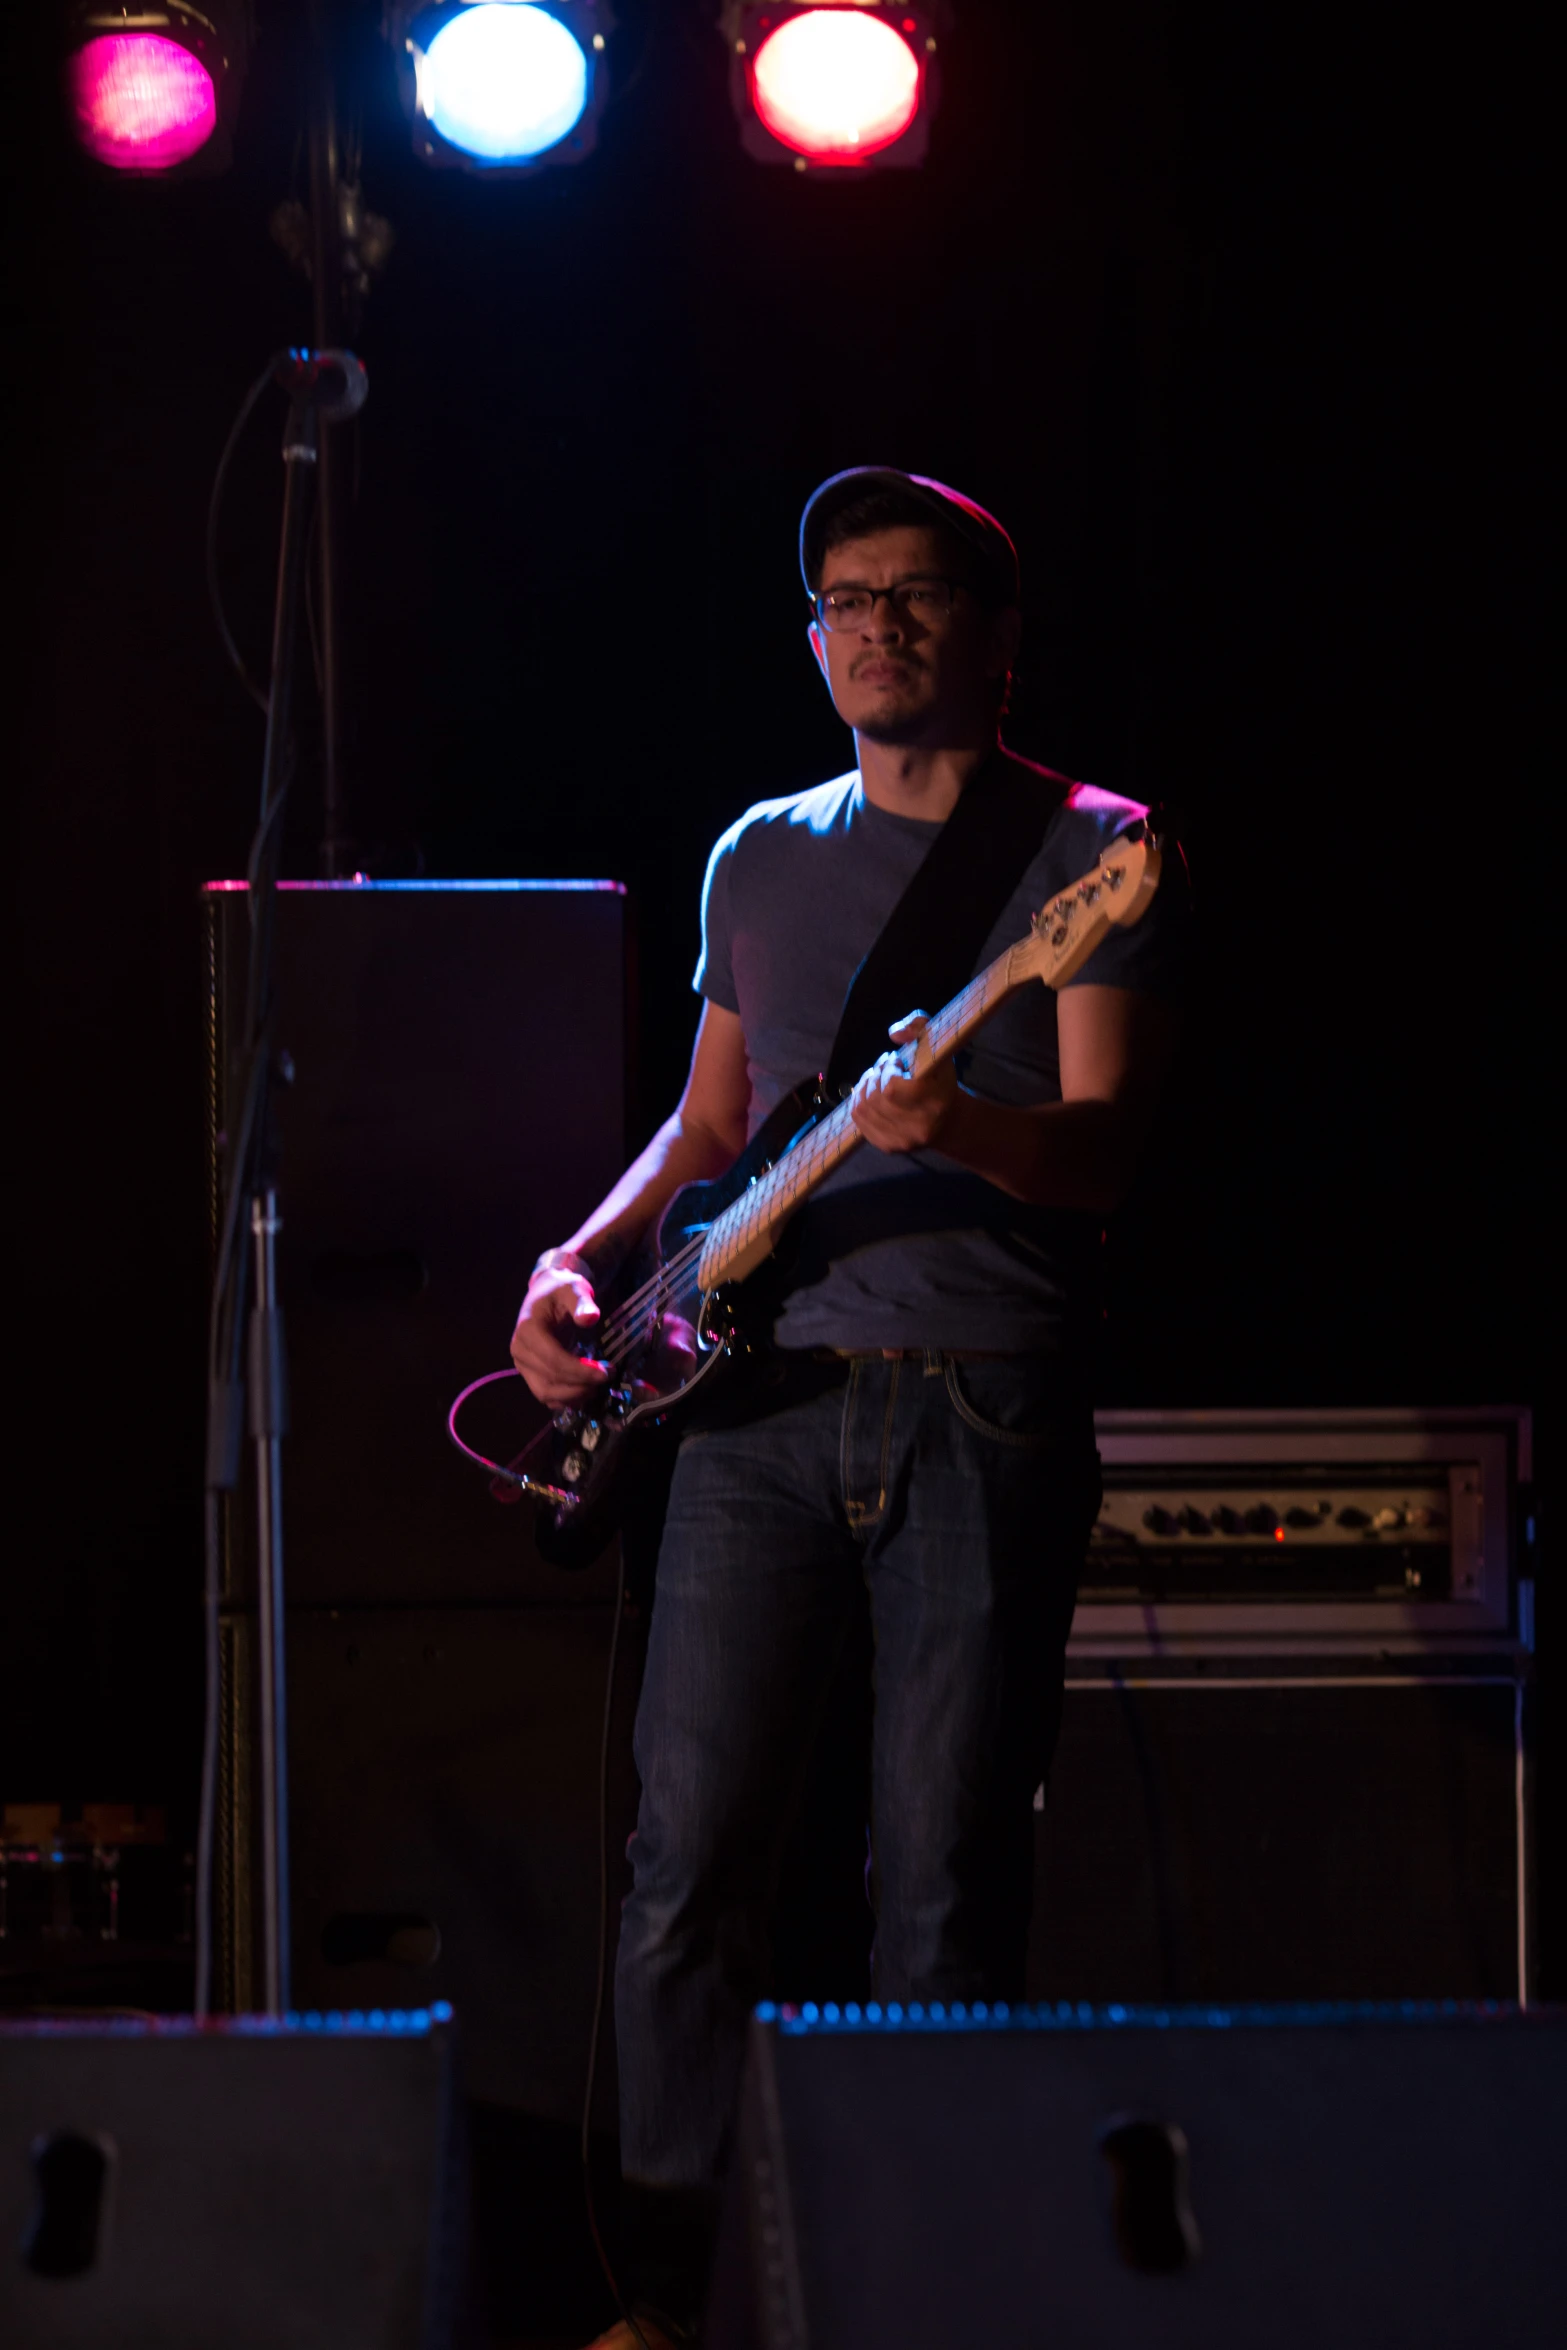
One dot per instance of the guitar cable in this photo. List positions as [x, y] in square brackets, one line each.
[501, 1473]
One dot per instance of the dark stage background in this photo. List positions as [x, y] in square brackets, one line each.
[1235, 315]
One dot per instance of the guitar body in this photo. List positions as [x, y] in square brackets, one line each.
[682, 1349]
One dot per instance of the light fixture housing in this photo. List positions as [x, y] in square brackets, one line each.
[153, 88]
[501, 87]
[834, 85]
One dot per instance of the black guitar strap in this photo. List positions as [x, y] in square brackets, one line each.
[929, 944]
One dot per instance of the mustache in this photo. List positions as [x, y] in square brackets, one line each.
[909, 661]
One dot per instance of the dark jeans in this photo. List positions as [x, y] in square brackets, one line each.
[961, 1494]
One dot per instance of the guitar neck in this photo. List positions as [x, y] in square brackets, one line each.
[1063, 935]
[747, 1229]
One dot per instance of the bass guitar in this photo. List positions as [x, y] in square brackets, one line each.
[669, 1340]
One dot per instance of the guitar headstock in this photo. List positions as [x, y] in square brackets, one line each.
[1065, 932]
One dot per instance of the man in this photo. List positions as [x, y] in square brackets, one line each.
[930, 1439]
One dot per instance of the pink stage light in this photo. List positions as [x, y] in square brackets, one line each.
[142, 103]
[835, 84]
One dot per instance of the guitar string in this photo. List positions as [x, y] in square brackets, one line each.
[645, 1303]
[618, 1350]
[640, 1312]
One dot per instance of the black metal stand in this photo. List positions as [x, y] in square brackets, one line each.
[326, 286]
[258, 1371]
[268, 1424]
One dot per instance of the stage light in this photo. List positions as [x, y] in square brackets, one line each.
[835, 87]
[142, 103]
[503, 85]
[153, 90]
[836, 83]
[502, 82]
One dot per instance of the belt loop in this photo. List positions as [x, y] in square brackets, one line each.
[933, 1363]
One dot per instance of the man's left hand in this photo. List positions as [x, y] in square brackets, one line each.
[899, 1113]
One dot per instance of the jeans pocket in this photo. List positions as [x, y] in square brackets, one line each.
[1014, 1400]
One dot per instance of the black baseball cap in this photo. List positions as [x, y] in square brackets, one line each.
[967, 521]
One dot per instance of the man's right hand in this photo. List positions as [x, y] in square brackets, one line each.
[559, 1305]
[703, 1136]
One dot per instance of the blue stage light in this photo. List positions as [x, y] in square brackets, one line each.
[501, 81]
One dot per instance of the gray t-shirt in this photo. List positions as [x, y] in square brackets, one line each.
[913, 1250]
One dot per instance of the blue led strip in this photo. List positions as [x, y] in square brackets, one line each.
[376, 2023]
[955, 2016]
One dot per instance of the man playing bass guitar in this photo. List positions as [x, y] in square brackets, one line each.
[939, 1457]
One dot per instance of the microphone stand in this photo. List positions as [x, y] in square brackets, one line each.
[326, 287]
[256, 1372]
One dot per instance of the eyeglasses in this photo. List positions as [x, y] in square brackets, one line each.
[919, 599]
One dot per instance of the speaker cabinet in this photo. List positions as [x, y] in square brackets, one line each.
[244, 2185]
[1372, 2180]
[445, 1829]
[457, 1103]
[1248, 1836]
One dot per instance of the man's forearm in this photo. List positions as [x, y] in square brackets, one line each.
[1063, 1155]
[681, 1152]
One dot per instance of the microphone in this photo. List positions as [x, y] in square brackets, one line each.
[333, 383]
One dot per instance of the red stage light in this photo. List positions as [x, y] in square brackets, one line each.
[142, 103]
[836, 84]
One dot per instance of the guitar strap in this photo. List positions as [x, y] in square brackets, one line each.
[930, 943]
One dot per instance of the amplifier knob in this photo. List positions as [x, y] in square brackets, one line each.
[1385, 1520]
[1229, 1521]
[1352, 1518]
[1195, 1522]
[1161, 1521]
[1264, 1519]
